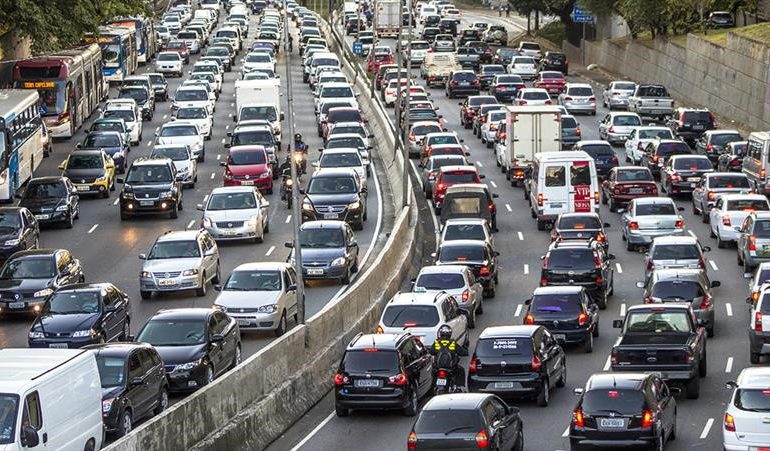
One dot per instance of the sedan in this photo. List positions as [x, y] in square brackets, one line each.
[52, 200]
[478, 255]
[329, 251]
[617, 93]
[683, 173]
[712, 185]
[744, 418]
[456, 280]
[578, 97]
[19, 231]
[625, 183]
[615, 127]
[551, 81]
[690, 286]
[523, 66]
[236, 213]
[580, 226]
[648, 217]
[640, 137]
[729, 212]
[92, 171]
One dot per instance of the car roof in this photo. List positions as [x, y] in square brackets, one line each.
[674, 240]
[592, 142]
[412, 298]
[323, 224]
[86, 152]
[652, 200]
[376, 341]
[677, 274]
[253, 266]
[443, 269]
[334, 172]
[48, 179]
[179, 235]
[754, 377]
[463, 168]
[666, 306]
[722, 131]
[232, 189]
[457, 401]
[565, 289]
[509, 331]
[120, 349]
[182, 313]
[141, 161]
[608, 381]
[36, 253]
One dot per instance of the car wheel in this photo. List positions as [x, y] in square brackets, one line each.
[341, 411]
[200, 292]
[126, 330]
[162, 401]
[237, 358]
[693, 388]
[704, 216]
[125, 425]
[544, 396]
[281, 329]
[595, 332]
[720, 243]
[145, 294]
[754, 357]
[540, 225]
[519, 442]
[588, 344]
[209, 374]
[712, 234]
[411, 409]
[345, 280]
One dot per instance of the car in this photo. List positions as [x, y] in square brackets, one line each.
[721, 19]
[159, 86]
[531, 49]
[623, 410]
[480, 116]
[640, 137]
[496, 34]
[487, 72]
[455, 280]
[80, 314]
[712, 185]
[729, 213]
[754, 240]
[19, 231]
[186, 165]
[571, 132]
[688, 124]
[523, 66]
[110, 125]
[759, 307]
[532, 96]
[260, 296]
[503, 55]
[422, 313]
[712, 143]
[195, 95]
[646, 218]
[746, 410]
[236, 213]
[477, 255]
[615, 127]
[504, 87]
[462, 82]
[150, 186]
[343, 159]
[452, 175]
[617, 93]
[144, 97]
[675, 252]
[578, 98]
[184, 133]
[659, 150]
[175, 46]
[602, 153]
[329, 251]
[468, 35]
[418, 131]
[28, 277]
[580, 226]
[491, 123]
[52, 200]
[555, 61]
[248, 165]
[445, 421]
[625, 183]
[179, 261]
[471, 106]
[580, 262]
[198, 115]
[91, 171]
[110, 142]
[134, 384]
[683, 173]
[335, 193]
[551, 81]
[170, 62]
[126, 110]
[731, 159]
[568, 312]
[432, 166]
[196, 345]
[522, 361]
[383, 371]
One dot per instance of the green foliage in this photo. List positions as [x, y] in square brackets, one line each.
[552, 31]
[57, 24]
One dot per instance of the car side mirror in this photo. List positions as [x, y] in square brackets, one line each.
[62, 165]
[716, 284]
[679, 208]
[78, 146]
[495, 196]
[289, 244]
[29, 436]
[617, 323]
[706, 248]
[527, 301]
[142, 256]
[217, 338]
[639, 284]
[235, 119]
[217, 287]
[731, 385]
[120, 180]
[199, 207]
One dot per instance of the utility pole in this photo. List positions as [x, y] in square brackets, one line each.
[408, 94]
[375, 41]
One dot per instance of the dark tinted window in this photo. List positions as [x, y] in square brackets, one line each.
[598, 150]
[676, 252]
[505, 347]
[671, 290]
[459, 177]
[556, 57]
[557, 303]
[568, 122]
[410, 316]
[696, 116]
[439, 281]
[762, 229]
[362, 361]
[478, 101]
[747, 204]
[465, 76]
[464, 232]
[723, 138]
[448, 422]
[626, 120]
[571, 259]
[579, 222]
[634, 175]
[729, 181]
[673, 148]
[461, 253]
[624, 402]
[513, 79]
[655, 209]
[753, 400]
[555, 75]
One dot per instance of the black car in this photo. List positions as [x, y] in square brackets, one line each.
[487, 74]
[81, 314]
[28, 277]
[483, 50]
[659, 150]
[329, 251]
[567, 312]
[721, 19]
[623, 410]
[354, 24]
[448, 26]
[470, 108]
[689, 123]
[469, 35]
[429, 34]
[19, 231]
[477, 255]
[151, 186]
[462, 82]
[159, 86]
[144, 100]
[580, 263]
[603, 155]
[196, 344]
[517, 362]
[682, 173]
[713, 143]
[504, 55]
[383, 371]
[467, 421]
[505, 87]
[134, 384]
[580, 226]
[335, 194]
[52, 200]
[555, 61]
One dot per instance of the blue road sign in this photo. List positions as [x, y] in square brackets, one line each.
[358, 47]
[580, 15]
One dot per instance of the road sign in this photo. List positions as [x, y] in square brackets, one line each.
[358, 47]
[580, 15]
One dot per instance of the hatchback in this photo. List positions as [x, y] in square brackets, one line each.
[754, 240]
[616, 126]
[462, 82]
[580, 226]
[683, 173]
[691, 286]
[602, 153]
[532, 96]
[580, 262]
[477, 255]
[714, 142]
[659, 151]
[452, 175]
[578, 98]
[329, 251]
[567, 312]
[711, 185]
[236, 213]
[744, 419]
[248, 166]
[456, 280]
[19, 231]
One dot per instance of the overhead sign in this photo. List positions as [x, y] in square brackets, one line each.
[580, 15]
[358, 47]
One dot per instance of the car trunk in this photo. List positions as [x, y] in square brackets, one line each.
[656, 222]
[653, 349]
[504, 356]
[636, 188]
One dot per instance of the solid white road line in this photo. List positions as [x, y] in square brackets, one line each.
[521, 236]
[619, 268]
[91, 230]
[729, 366]
[607, 364]
[508, 207]
[492, 182]
[149, 143]
[707, 428]
[622, 310]
[479, 164]
[219, 156]
[190, 224]
[269, 251]
[692, 234]
[223, 140]
[227, 127]
[517, 312]
[729, 309]
[116, 201]
[288, 220]
[713, 265]
[165, 116]
[314, 431]
[526, 269]
[205, 198]
[213, 175]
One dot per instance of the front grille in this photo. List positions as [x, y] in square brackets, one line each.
[59, 335]
[229, 224]
[83, 180]
[338, 209]
[242, 310]
[167, 275]
[314, 264]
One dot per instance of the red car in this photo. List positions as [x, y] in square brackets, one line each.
[381, 69]
[340, 114]
[378, 59]
[626, 183]
[248, 165]
[552, 81]
[452, 175]
[180, 47]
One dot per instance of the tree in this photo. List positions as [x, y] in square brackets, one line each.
[57, 24]
[526, 8]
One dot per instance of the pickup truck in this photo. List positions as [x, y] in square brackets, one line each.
[651, 101]
[468, 57]
[436, 67]
[665, 339]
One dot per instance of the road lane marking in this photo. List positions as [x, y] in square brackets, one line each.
[729, 309]
[149, 143]
[607, 364]
[466, 147]
[227, 127]
[508, 207]
[232, 104]
[223, 140]
[619, 268]
[729, 366]
[156, 129]
[269, 251]
[219, 156]
[190, 224]
[213, 175]
[205, 198]
[492, 182]
[566, 432]
[116, 201]
[692, 234]
[622, 310]
[517, 312]
[526, 269]
[713, 265]
[707, 428]
[521, 236]
[288, 219]
[314, 431]
[479, 164]
[165, 116]
[91, 230]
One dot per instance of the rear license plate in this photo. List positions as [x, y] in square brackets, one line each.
[146, 203]
[42, 216]
[83, 187]
[636, 190]
[612, 422]
[503, 384]
[658, 111]
[58, 345]
[464, 83]
[15, 305]
[247, 182]
[244, 322]
[166, 282]
[560, 337]
[693, 179]
[315, 271]
[697, 127]
[554, 90]
[440, 382]
[367, 383]
[556, 205]
[331, 216]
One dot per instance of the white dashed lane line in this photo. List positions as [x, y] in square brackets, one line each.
[622, 310]
[526, 269]
[729, 366]
[288, 219]
[619, 268]
[116, 201]
[517, 312]
[707, 428]
[269, 251]
[713, 265]
[190, 224]
[219, 156]
[508, 207]
[607, 364]
[492, 182]
[91, 230]
[521, 236]
[213, 174]
[729, 309]
[479, 164]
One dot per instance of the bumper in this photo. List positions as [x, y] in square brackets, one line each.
[618, 102]
[348, 215]
[570, 336]
[641, 442]
[323, 272]
[464, 90]
[727, 233]
[257, 321]
[646, 236]
[168, 69]
[232, 234]
[184, 381]
[28, 306]
[732, 443]
[622, 199]
[436, 80]
[262, 184]
[59, 131]
[138, 207]
[677, 374]
[52, 217]
[754, 260]
[682, 187]
[506, 385]
[488, 135]
[94, 188]
[62, 343]
[171, 284]
[617, 137]
[580, 107]
[396, 400]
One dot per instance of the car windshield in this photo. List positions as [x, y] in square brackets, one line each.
[721, 139]
[85, 162]
[28, 268]
[345, 142]
[448, 421]
[675, 252]
[459, 177]
[246, 157]
[232, 201]
[556, 303]
[692, 164]
[95, 140]
[626, 120]
[410, 316]
[337, 91]
[634, 175]
[615, 401]
[111, 371]
[464, 232]
[191, 95]
[729, 181]
[748, 205]
[262, 137]
[174, 249]
[461, 253]
[191, 113]
[696, 116]
[662, 133]
[576, 259]
[256, 280]
[340, 160]
[126, 115]
[53, 190]
[332, 185]
[149, 174]
[184, 332]
[72, 303]
[371, 360]
[677, 290]
[752, 400]
[656, 322]
[514, 349]
[523, 60]
[655, 209]
[321, 238]
[440, 281]
[9, 222]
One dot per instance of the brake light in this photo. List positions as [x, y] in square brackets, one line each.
[577, 418]
[762, 173]
[649, 265]
[592, 99]
[596, 196]
[705, 302]
[548, 102]
[648, 300]
[597, 262]
[466, 295]
[536, 363]
[440, 186]
[702, 263]
[567, 98]
[675, 177]
[655, 158]
[469, 111]
[726, 220]
[601, 237]
[379, 330]
[472, 364]
[615, 159]
[754, 295]
[522, 102]
[689, 356]
[647, 418]
[582, 318]
[484, 271]
[431, 175]
[540, 200]
[758, 321]
[729, 422]
[611, 129]
[529, 319]
[482, 440]
[411, 441]
[633, 225]
[452, 83]
[614, 356]
[476, 81]
[708, 148]
[442, 374]
[340, 379]
[398, 379]
[710, 195]
[752, 243]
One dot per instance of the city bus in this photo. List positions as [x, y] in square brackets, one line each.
[21, 139]
[119, 54]
[144, 31]
[70, 84]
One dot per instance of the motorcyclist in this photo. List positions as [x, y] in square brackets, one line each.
[299, 145]
[447, 354]
[285, 165]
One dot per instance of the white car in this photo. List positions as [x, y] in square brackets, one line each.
[210, 87]
[417, 134]
[184, 162]
[127, 110]
[578, 97]
[336, 91]
[641, 136]
[616, 126]
[199, 116]
[193, 96]
[343, 158]
[235, 213]
[523, 66]
[532, 96]
[744, 427]
[530, 49]
[352, 141]
[260, 296]
[422, 314]
[490, 126]
[257, 60]
[728, 213]
[169, 63]
[417, 52]
[185, 133]
[452, 13]
[208, 67]
[617, 93]
[457, 280]
[391, 90]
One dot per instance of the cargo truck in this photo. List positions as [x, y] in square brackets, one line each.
[387, 20]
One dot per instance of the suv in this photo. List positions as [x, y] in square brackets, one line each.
[713, 143]
[754, 240]
[683, 172]
[151, 186]
[462, 82]
[567, 312]
[383, 371]
[688, 124]
[422, 314]
[180, 260]
[335, 194]
[456, 280]
[329, 251]
[659, 150]
[582, 263]
[555, 61]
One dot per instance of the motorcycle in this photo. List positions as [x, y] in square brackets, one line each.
[286, 187]
[445, 382]
[300, 160]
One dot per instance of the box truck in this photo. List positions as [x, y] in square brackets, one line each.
[259, 99]
[387, 20]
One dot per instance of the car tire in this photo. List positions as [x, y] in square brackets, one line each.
[720, 243]
[200, 292]
[341, 411]
[144, 294]
[693, 388]
[595, 332]
[480, 308]
[125, 425]
[209, 374]
[562, 382]
[281, 329]
[588, 344]
[712, 234]
[411, 409]
[174, 212]
[345, 280]
[703, 366]
[162, 401]
[540, 225]
[754, 357]
[704, 216]
[70, 221]
[126, 332]
[123, 216]
[202, 156]
[544, 396]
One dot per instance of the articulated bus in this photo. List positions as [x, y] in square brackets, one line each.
[70, 84]
[119, 53]
[144, 31]
[21, 139]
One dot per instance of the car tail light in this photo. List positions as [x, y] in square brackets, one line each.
[611, 129]
[726, 220]
[379, 330]
[679, 224]
[440, 186]
[592, 99]
[596, 197]
[752, 243]
[411, 441]
[398, 379]
[648, 417]
[633, 225]
[577, 418]
[548, 102]
[540, 200]
[476, 81]
[582, 318]
[536, 363]
[649, 265]
[466, 295]
[702, 263]
[469, 111]
[705, 302]
[492, 127]
[729, 422]
[758, 321]
[601, 237]
[675, 177]
[708, 148]
[710, 195]
[567, 98]
[613, 357]
[484, 271]
[482, 440]
[578, 132]
[431, 175]
[655, 158]
[597, 261]
[442, 374]
[472, 364]
[522, 102]
[762, 173]
[340, 379]
[754, 295]
[529, 319]
[453, 83]
[615, 159]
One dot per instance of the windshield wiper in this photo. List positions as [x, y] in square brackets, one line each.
[458, 428]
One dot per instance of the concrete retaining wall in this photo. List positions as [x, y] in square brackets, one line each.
[731, 81]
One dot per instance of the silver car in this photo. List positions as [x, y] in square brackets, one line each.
[754, 240]
[671, 252]
[745, 419]
[760, 277]
[615, 127]
[711, 185]
[179, 261]
[467, 229]
[184, 133]
[260, 296]
[617, 93]
[185, 163]
[578, 98]
[646, 218]
[456, 280]
[236, 213]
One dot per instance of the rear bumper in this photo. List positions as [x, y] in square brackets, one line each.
[641, 442]
[506, 385]
[676, 373]
[646, 236]
[397, 400]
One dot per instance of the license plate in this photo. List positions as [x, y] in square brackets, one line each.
[229, 232]
[636, 190]
[367, 383]
[612, 422]
[503, 384]
[58, 345]
[244, 322]
[554, 90]
[42, 216]
[560, 337]
[146, 203]
[693, 185]
[693, 179]
[440, 382]
[166, 282]
[697, 127]
[556, 205]
[464, 83]
[83, 187]
[315, 271]
[331, 216]
[15, 305]
[247, 182]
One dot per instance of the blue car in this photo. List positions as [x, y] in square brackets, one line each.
[603, 155]
[570, 131]
[112, 143]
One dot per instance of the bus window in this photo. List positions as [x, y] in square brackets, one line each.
[111, 55]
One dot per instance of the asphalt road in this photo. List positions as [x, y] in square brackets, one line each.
[521, 246]
[108, 247]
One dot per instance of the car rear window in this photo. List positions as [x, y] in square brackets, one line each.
[673, 290]
[410, 316]
[621, 401]
[513, 79]
[448, 422]
[675, 252]
[696, 116]
[465, 76]
[598, 150]
[580, 91]
[556, 75]
[656, 133]
[440, 281]
[556, 57]
[579, 222]
[464, 232]
[535, 95]
[634, 175]
[752, 400]
[459, 177]
[762, 229]
[674, 148]
[625, 86]
[729, 181]
[655, 209]
[747, 205]
[461, 253]
[520, 347]
[579, 259]
[478, 101]
[370, 360]
[568, 122]
[626, 120]
[692, 164]
[344, 116]
[721, 139]
[556, 303]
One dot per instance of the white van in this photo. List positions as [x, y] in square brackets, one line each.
[51, 398]
[757, 161]
[562, 182]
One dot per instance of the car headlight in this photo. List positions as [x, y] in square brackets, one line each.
[354, 205]
[84, 333]
[36, 335]
[270, 308]
[207, 222]
[190, 272]
[12, 242]
[187, 366]
[107, 405]
[253, 220]
[146, 275]
[265, 174]
[166, 194]
[42, 293]
[62, 208]
[339, 261]
[220, 307]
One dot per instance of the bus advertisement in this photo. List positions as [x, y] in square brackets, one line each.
[21, 139]
[144, 31]
[119, 53]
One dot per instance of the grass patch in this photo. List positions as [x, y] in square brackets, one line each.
[760, 32]
[552, 31]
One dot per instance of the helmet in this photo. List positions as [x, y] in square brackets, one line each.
[298, 138]
[444, 332]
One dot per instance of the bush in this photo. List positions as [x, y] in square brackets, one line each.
[553, 31]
